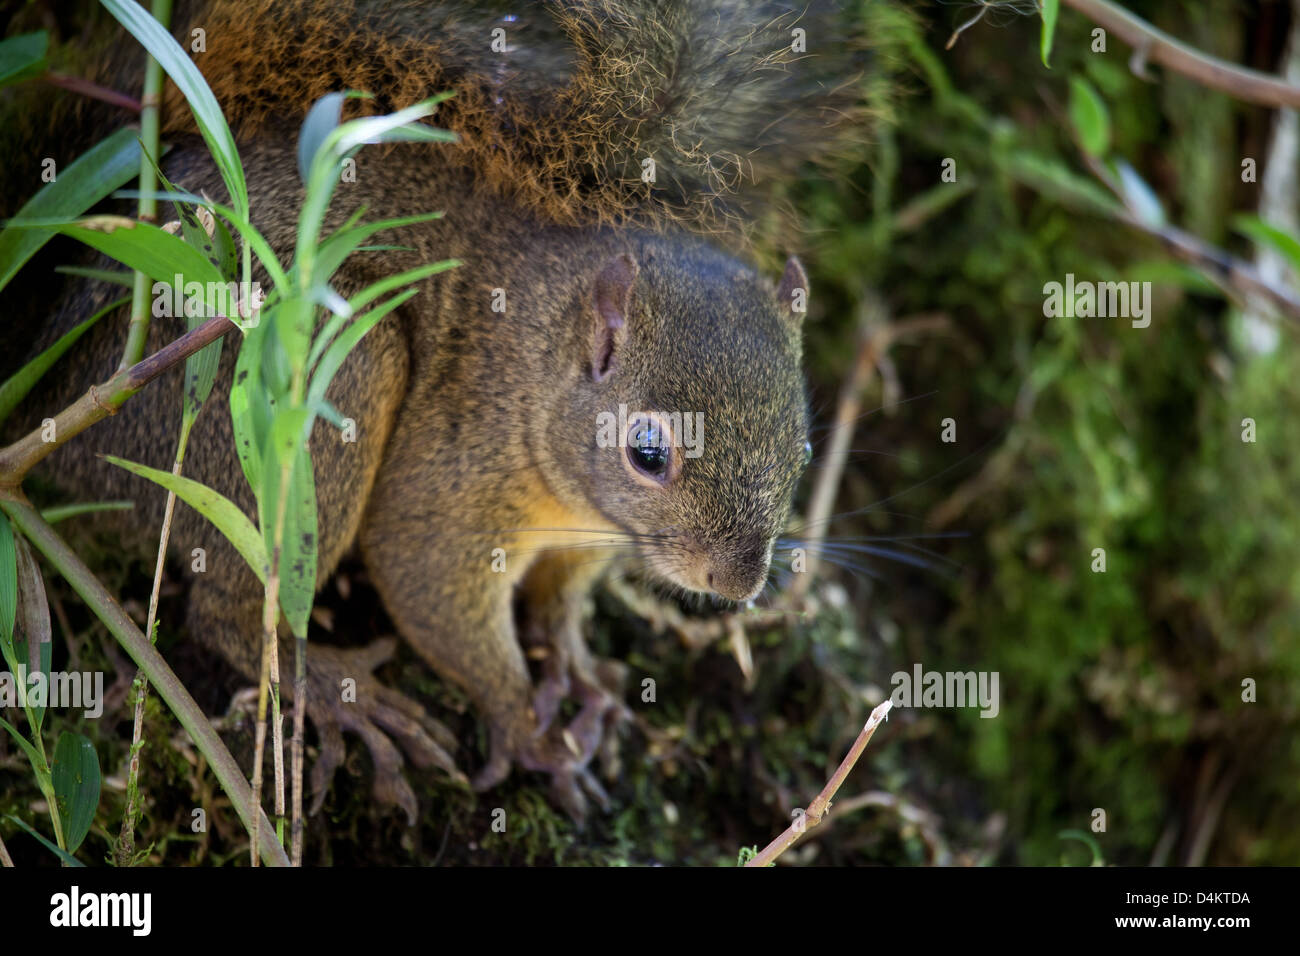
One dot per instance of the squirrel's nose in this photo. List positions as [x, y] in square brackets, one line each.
[740, 574]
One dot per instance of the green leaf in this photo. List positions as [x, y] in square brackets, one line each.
[248, 412]
[256, 241]
[389, 283]
[320, 122]
[122, 278]
[1051, 9]
[34, 615]
[218, 249]
[367, 295]
[347, 240]
[140, 245]
[1055, 179]
[63, 855]
[76, 786]
[1178, 274]
[1089, 116]
[16, 387]
[1267, 234]
[93, 175]
[287, 444]
[217, 508]
[33, 755]
[333, 358]
[341, 142]
[22, 56]
[62, 512]
[207, 113]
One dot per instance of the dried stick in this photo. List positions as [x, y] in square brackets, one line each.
[818, 808]
[83, 87]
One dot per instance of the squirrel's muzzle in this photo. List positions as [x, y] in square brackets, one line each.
[739, 572]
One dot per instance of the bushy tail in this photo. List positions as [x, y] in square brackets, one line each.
[581, 110]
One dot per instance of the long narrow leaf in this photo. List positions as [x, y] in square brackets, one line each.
[333, 358]
[207, 113]
[217, 508]
[96, 173]
[16, 387]
[36, 650]
[8, 582]
[63, 512]
[22, 56]
[63, 855]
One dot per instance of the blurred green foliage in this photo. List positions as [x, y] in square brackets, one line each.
[1120, 690]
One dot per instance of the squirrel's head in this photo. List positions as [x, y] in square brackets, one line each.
[687, 425]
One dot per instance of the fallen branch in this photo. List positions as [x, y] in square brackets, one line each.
[819, 807]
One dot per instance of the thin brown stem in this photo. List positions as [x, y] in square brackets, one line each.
[1156, 46]
[82, 87]
[822, 803]
[296, 745]
[871, 318]
[103, 400]
[126, 836]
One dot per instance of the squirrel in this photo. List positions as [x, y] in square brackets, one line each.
[640, 395]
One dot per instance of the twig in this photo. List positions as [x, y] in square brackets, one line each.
[296, 744]
[818, 808]
[1157, 46]
[876, 334]
[1232, 275]
[103, 400]
[126, 836]
[872, 316]
[926, 823]
[5, 858]
[83, 87]
[269, 684]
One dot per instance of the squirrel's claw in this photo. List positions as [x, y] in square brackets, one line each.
[376, 713]
[564, 752]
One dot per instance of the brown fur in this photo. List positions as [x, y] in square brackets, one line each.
[710, 89]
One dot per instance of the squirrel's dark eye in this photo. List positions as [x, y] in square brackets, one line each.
[647, 449]
[807, 453]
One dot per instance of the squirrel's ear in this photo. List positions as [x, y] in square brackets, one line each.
[792, 291]
[611, 302]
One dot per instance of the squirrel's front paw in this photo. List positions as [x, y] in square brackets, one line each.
[564, 751]
[596, 685]
[375, 713]
[556, 752]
